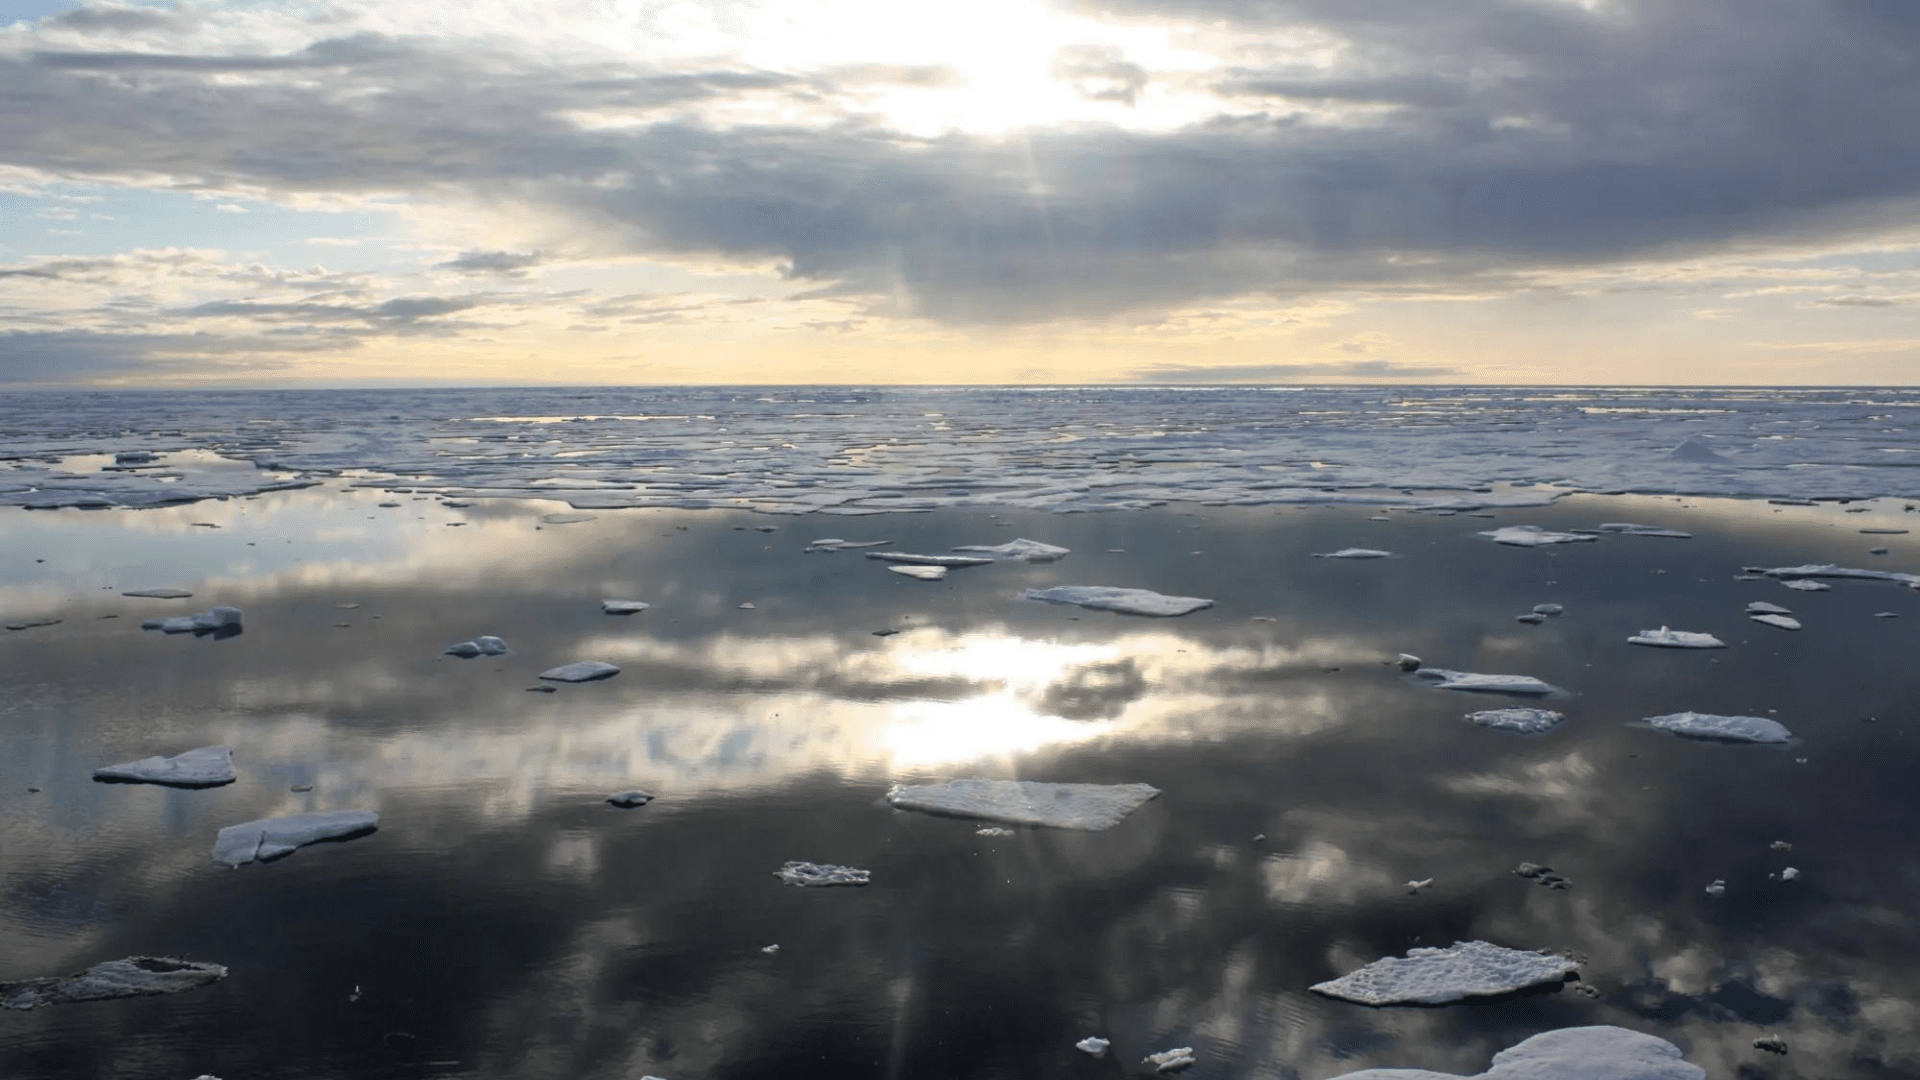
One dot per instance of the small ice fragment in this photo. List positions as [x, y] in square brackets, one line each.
[1472, 682]
[1877, 551]
[1718, 888]
[1761, 607]
[1408, 662]
[1523, 721]
[209, 766]
[1789, 874]
[218, 621]
[1772, 1044]
[1092, 1044]
[748, 606]
[1465, 969]
[1170, 1061]
[346, 607]
[1628, 529]
[1780, 845]
[922, 573]
[31, 623]
[770, 949]
[821, 874]
[1885, 532]
[1416, 886]
[583, 671]
[1531, 617]
[1027, 802]
[271, 838]
[766, 528]
[1601, 1052]
[1020, 550]
[561, 519]
[1354, 553]
[1548, 609]
[1886, 614]
[301, 788]
[929, 560]
[1676, 639]
[1124, 601]
[1803, 585]
[388, 505]
[133, 457]
[888, 632]
[1542, 875]
[1784, 622]
[159, 594]
[1379, 517]
[136, 976]
[1755, 729]
[627, 800]
[485, 645]
[1533, 536]
[623, 607]
[993, 830]
[1261, 618]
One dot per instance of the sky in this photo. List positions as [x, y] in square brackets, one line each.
[362, 192]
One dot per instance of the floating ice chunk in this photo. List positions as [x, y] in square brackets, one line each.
[922, 573]
[1021, 550]
[1886, 614]
[1027, 802]
[1884, 532]
[1602, 1052]
[1419, 885]
[159, 594]
[1772, 1044]
[1789, 874]
[1630, 529]
[929, 560]
[583, 671]
[1092, 1044]
[1676, 639]
[748, 606]
[627, 800]
[484, 645]
[1354, 553]
[821, 874]
[624, 607]
[136, 976]
[1408, 662]
[1437, 976]
[271, 838]
[209, 766]
[1542, 875]
[1125, 601]
[837, 544]
[1548, 609]
[1533, 536]
[219, 621]
[1717, 888]
[561, 519]
[1877, 551]
[1756, 729]
[1806, 585]
[993, 830]
[1170, 1061]
[1443, 679]
[1829, 570]
[133, 457]
[770, 949]
[1696, 448]
[1532, 618]
[1523, 721]
[1761, 607]
[1784, 622]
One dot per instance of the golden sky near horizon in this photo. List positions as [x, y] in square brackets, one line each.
[800, 191]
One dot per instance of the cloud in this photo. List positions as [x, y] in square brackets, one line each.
[1261, 373]
[501, 263]
[1100, 73]
[67, 356]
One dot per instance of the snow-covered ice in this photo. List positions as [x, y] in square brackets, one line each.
[1533, 536]
[1170, 1061]
[214, 620]
[272, 838]
[1790, 574]
[1438, 976]
[1474, 682]
[158, 594]
[1092, 1044]
[1523, 721]
[1548, 609]
[1676, 639]
[1784, 622]
[1027, 802]
[1807, 585]
[1761, 607]
[1018, 550]
[624, 607]
[1756, 729]
[1601, 1052]
[1354, 553]
[484, 645]
[1716, 888]
[821, 874]
[993, 830]
[627, 800]
[929, 560]
[208, 766]
[1125, 601]
[136, 976]
[1630, 529]
[581, 671]
[921, 573]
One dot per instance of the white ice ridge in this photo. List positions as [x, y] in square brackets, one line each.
[1829, 570]
[582, 671]
[837, 544]
[923, 573]
[484, 645]
[1091, 807]
[929, 560]
[624, 607]
[1761, 607]
[1524, 685]
[1112, 598]
[271, 838]
[1092, 1044]
[209, 621]
[1630, 529]
[1354, 553]
[1534, 536]
[136, 976]
[903, 449]
[1438, 976]
[1524, 721]
[1756, 729]
[209, 766]
[821, 874]
[1784, 622]
[1170, 1061]
[1602, 1052]
[1807, 585]
[159, 594]
[1676, 639]
[1018, 550]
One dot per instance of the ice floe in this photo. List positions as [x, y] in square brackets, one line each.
[1354, 553]
[1092, 1044]
[561, 519]
[158, 594]
[136, 976]
[1548, 609]
[1754, 729]
[1716, 888]
[837, 544]
[1544, 876]
[208, 766]
[922, 573]
[1784, 622]
[1020, 550]
[1027, 802]
[581, 671]
[1533, 536]
[1790, 574]
[1474, 682]
[1522, 721]
[1629, 529]
[220, 621]
[272, 838]
[930, 560]
[624, 607]
[1170, 1061]
[1601, 1052]
[1761, 607]
[1807, 585]
[1435, 976]
[1676, 639]
[627, 800]
[821, 874]
[1125, 601]
[484, 645]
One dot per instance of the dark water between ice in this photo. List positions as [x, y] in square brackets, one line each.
[505, 922]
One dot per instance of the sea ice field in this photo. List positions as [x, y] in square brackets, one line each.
[575, 734]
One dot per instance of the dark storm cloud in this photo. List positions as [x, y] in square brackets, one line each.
[1515, 134]
[1259, 373]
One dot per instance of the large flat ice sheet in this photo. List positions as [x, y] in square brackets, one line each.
[1756, 729]
[1091, 807]
[209, 766]
[1124, 601]
[272, 838]
[1601, 1052]
[136, 976]
[1462, 970]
